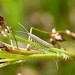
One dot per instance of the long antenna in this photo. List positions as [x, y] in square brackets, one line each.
[23, 27]
[19, 31]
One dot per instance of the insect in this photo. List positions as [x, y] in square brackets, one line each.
[37, 39]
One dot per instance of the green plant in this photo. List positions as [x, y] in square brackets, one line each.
[47, 50]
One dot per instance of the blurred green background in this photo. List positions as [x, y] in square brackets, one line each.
[45, 15]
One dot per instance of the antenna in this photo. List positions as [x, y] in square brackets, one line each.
[19, 31]
[23, 27]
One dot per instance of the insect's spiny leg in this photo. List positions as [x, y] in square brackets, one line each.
[30, 39]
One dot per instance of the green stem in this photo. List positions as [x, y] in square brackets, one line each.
[45, 32]
[15, 40]
[6, 60]
[63, 51]
[23, 41]
[51, 56]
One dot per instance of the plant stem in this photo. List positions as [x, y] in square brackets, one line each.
[63, 51]
[15, 40]
[51, 56]
[6, 60]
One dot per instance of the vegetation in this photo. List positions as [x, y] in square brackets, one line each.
[50, 42]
